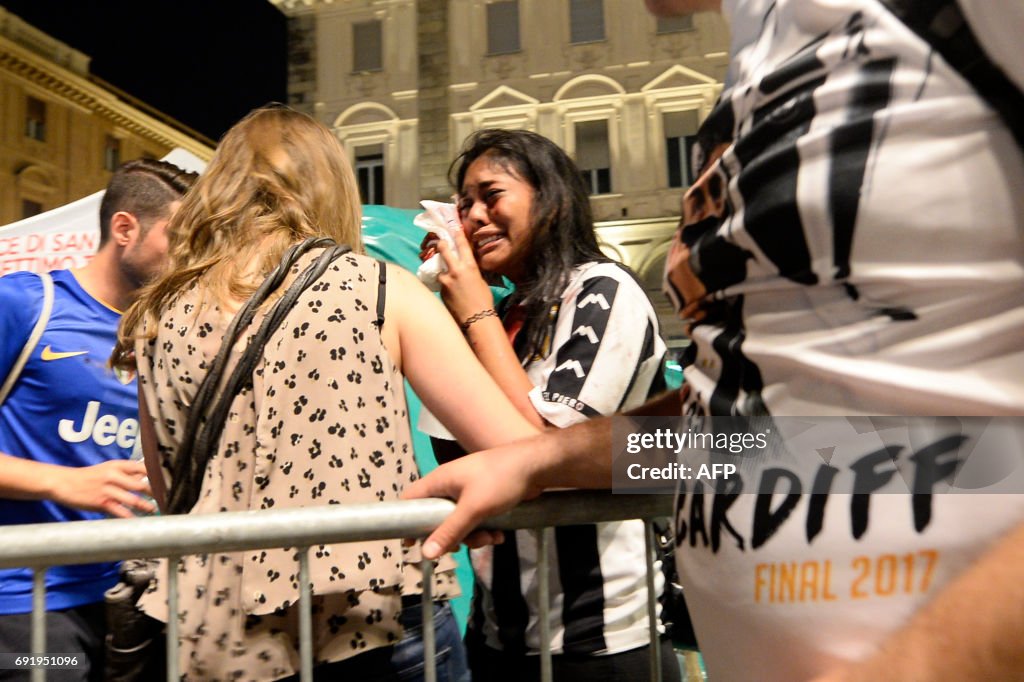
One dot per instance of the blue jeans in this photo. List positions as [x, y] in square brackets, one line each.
[407, 658]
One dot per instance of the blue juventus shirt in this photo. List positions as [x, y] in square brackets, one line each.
[68, 408]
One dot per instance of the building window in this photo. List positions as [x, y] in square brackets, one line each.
[503, 27]
[111, 153]
[370, 173]
[367, 46]
[30, 208]
[35, 119]
[593, 156]
[675, 24]
[680, 137]
[586, 20]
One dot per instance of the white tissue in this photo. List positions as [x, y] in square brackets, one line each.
[432, 426]
[443, 220]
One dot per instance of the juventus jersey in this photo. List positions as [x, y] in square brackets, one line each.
[857, 245]
[604, 355]
[855, 249]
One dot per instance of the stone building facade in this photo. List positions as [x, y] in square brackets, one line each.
[403, 82]
[62, 131]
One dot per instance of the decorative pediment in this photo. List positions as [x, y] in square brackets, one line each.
[35, 180]
[503, 97]
[679, 77]
[363, 113]
[591, 85]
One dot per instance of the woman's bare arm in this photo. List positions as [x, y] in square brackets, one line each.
[432, 353]
[466, 295]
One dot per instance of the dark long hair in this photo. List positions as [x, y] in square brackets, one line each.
[562, 226]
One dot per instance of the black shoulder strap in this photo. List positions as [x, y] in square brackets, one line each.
[199, 441]
[242, 320]
[941, 24]
[381, 293]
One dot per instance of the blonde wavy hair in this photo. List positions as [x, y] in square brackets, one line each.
[277, 178]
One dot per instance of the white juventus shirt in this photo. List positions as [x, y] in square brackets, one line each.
[868, 259]
[606, 354]
[869, 254]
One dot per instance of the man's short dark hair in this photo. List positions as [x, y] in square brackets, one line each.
[144, 188]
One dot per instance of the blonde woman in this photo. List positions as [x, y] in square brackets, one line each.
[324, 421]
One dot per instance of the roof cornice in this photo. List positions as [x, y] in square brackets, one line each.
[76, 90]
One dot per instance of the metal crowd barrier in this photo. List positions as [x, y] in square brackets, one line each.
[39, 546]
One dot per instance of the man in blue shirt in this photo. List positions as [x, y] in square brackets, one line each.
[69, 425]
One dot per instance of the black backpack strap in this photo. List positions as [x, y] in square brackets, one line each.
[199, 441]
[941, 24]
[381, 294]
[241, 322]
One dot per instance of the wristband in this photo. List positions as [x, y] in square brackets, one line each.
[476, 318]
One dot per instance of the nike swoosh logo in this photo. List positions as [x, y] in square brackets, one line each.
[50, 354]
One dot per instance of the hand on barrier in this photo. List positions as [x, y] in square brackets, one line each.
[482, 485]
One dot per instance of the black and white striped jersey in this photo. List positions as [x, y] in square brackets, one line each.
[857, 246]
[605, 355]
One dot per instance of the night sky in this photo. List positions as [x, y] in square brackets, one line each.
[204, 63]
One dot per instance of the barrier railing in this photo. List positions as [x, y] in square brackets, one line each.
[40, 546]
